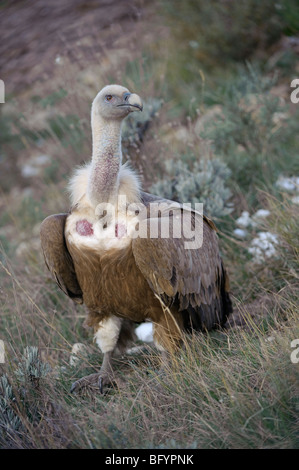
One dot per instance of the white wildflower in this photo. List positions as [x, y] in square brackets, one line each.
[263, 246]
[261, 214]
[244, 220]
[290, 183]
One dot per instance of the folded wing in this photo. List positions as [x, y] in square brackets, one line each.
[193, 280]
[57, 257]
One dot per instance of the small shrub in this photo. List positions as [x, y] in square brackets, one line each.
[205, 182]
[31, 368]
[9, 420]
[26, 403]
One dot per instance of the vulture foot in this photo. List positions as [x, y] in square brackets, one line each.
[97, 381]
[92, 382]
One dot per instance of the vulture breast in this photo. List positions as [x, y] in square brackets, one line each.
[84, 229]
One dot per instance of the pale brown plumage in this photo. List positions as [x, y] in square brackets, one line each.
[153, 279]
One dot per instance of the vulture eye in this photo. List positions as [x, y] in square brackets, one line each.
[109, 97]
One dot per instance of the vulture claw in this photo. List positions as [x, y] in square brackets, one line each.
[94, 382]
[101, 385]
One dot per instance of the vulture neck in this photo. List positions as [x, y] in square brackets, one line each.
[106, 161]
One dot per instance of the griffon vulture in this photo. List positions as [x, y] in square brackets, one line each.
[97, 259]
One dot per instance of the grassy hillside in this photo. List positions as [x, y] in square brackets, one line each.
[218, 127]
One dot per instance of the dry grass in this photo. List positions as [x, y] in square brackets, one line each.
[235, 388]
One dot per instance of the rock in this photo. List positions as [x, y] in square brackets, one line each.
[144, 332]
[240, 233]
[58, 60]
[29, 171]
[34, 166]
[78, 352]
[135, 350]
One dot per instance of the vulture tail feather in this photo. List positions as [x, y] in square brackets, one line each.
[205, 316]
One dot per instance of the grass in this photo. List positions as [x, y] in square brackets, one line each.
[230, 389]
[234, 388]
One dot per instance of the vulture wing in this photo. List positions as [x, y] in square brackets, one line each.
[193, 280]
[57, 258]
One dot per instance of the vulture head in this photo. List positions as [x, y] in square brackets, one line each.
[115, 102]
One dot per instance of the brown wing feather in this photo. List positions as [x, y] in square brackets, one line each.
[194, 279]
[57, 257]
[147, 199]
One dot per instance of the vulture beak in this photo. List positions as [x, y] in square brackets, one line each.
[131, 100]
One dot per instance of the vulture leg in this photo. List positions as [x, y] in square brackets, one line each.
[112, 333]
[106, 336]
[98, 379]
[106, 372]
